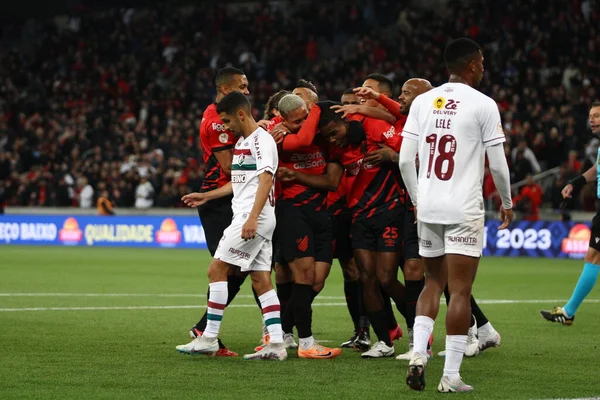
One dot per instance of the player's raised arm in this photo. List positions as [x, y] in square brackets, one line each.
[307, 133]
[372, 112]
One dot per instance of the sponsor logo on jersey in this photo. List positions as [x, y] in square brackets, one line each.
[219, 127]
[70, 232]
[238, 178]
[223, 138]
[439, 103]
[576, 244]
[389, 133]
[168, 234]
[239, 253]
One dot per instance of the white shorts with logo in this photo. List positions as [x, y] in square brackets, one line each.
[250, 255]
[465, 238]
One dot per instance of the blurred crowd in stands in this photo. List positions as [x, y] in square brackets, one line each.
[108, 103]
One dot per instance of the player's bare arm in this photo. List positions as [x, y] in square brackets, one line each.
[579, 182]
[224, 158]
[384, 154]
[279, 131]
[372, 112]
[329, 181]
[198, 199]
[367, 93]
[265, 182]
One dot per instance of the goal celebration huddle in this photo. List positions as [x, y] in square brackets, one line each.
[384, 186]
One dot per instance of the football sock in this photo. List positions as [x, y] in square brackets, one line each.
[271, 314]
[217, 302]
[486, 329]
[300, 307]
[413, 291]
[234, 284]
[586, 282]
[306, 343]
[379, 324]
[389, 313]
[480, 317]
[421, 333]
[455, 350]
[353, 293]
[313, 295]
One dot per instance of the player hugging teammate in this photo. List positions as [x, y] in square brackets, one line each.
[335, 162]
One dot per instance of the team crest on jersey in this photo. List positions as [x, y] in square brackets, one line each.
[439, 103]
[500, 129]
[223, 137]
[241, 159]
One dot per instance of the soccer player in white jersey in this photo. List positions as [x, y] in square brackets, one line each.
[246, 243]
[451, 128]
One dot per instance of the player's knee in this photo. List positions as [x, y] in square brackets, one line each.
[592, 256]
[318, 287]
[217, 271]
[413, 269]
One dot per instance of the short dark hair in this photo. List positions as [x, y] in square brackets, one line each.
[327, 114]
[459, 53]
[224, 75]
[348, 91]
[273, 103]
[232, 103]
[303, 83]
[384, 81]
[595, 104]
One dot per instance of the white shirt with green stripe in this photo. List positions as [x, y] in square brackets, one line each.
[253, 156]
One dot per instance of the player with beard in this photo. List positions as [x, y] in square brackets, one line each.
[451, 128]
[375, 200]
[304, 229]
[217, 144]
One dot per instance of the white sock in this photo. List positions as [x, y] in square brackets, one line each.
[422, 331]
[269, 302]
[455, 350]
[217, 300]
[486, 329]
[307, 343]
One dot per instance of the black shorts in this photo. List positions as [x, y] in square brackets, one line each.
[595, 229]
[342, 243]
[215, 216]
[382, 232]
[410, 245]
[302, 232]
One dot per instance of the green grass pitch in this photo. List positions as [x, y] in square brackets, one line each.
[60, 341]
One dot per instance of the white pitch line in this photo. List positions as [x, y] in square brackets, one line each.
[143, 307]
[243, 296]
[108, 308]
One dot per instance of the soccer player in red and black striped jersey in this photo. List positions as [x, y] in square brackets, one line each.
[304, 229]
[217, 145]
[376, 203]
[412, 267]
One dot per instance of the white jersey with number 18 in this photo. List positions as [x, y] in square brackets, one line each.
[453, 125]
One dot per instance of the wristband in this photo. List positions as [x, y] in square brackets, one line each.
[578, 183]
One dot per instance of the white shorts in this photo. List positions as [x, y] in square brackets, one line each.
[250, 255]
[466, 238]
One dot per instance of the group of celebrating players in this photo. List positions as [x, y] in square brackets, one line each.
[378, 184]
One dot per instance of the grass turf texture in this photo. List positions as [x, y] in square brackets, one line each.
[126, 354]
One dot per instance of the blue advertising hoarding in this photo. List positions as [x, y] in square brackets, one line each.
[553, 239]
[117, 231]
